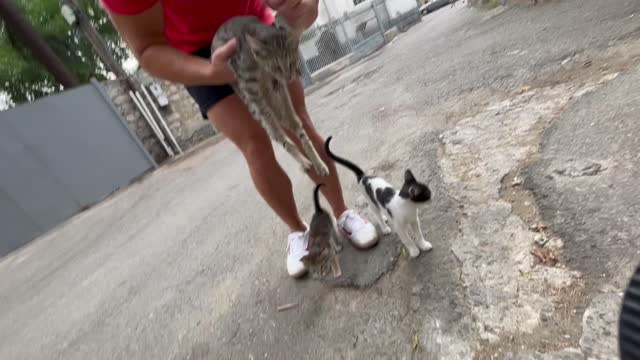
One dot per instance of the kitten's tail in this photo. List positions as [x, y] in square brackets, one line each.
[344, 162]
[316, 198]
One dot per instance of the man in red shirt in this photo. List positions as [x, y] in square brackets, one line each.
[171, 39]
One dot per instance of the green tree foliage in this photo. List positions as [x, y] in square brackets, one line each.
[23, 79]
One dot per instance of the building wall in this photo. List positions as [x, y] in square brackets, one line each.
[190, 127]
[181, 116]
[398, 8]
[119, 93]
[336, 8]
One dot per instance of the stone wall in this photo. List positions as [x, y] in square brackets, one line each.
[181, 115]
[119, 93]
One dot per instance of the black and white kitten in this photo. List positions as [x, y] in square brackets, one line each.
[396, 207]
[323, 241]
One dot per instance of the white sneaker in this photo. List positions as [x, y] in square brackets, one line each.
[362, 233]
[297, 248]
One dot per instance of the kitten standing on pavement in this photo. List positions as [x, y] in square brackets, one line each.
[398, 207]
[323, 241]
[265, 61]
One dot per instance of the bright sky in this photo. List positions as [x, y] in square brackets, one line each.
[130, 66]
[3, 101]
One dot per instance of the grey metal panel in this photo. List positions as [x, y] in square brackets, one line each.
[58, 155]
[29, 183]
[82, 142]
[15, 225]
[101, 90]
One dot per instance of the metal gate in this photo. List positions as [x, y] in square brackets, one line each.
[338, 42]
[59, 155]
[357, 33]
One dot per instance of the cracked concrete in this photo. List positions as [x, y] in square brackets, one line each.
[477, 154]
[592, 202]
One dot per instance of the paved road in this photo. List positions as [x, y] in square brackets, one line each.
[189, 263]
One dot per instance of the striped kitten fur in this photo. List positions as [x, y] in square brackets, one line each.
[266, 60]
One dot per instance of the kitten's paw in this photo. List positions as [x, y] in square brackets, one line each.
[306, 165]
[322, 170]
[386, 230]
[424, 245]
[338, 248]
[413, 253]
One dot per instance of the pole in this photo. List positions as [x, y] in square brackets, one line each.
[83, 23]
[20, 26]
[380, 26]
[162, 122]
[93, 36]
[99, 45]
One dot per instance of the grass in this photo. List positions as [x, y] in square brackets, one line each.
[492, 4]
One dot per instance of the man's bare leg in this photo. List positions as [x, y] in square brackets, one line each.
[231, 117]
[360, 232]
[333, 190]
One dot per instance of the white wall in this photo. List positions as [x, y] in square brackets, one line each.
[336, 8]
[399, 7]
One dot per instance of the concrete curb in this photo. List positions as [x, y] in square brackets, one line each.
[212, 141]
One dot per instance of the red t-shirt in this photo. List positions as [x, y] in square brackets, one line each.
[191, 24]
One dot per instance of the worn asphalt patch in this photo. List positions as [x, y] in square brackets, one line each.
[509, 294]
[362, 268]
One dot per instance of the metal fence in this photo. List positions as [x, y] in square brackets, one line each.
[324, 45]
[346, 39]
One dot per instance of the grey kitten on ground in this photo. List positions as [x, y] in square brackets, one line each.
[323, 242]
[266, 60]
[398, 207]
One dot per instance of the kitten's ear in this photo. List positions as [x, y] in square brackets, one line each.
[408, 177]
[282, 24]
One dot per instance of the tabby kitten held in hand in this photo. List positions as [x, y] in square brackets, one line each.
[266, 60]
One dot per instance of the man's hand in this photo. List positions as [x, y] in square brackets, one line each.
[300, 14]
[220, 73]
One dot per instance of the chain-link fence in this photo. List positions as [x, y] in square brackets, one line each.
[344, 40]
[323, 45]
[365, 29]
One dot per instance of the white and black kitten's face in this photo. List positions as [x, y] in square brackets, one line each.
[414, 190]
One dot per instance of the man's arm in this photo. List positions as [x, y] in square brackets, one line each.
[144, 33]
[300, 14]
